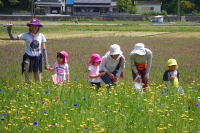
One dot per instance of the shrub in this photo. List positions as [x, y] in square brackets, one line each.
[163, 12]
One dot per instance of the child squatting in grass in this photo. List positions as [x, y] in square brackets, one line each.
[172, 73]
[93, 70]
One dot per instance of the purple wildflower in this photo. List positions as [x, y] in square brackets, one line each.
[76, 104]
[46, 91]
[35, 123]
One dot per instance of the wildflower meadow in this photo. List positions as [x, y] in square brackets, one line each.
[78, 107]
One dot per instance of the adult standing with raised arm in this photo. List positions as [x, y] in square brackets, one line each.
[141, 59]
[35, 45]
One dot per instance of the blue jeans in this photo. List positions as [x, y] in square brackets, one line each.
[107, 80]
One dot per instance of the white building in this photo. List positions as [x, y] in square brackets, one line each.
[51, 6]
[146, 6]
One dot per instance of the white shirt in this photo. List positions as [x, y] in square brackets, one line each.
[109, 64]
[33, 49]
[94, 70]
[61, 71]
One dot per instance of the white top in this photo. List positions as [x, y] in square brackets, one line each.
[109, 64]
[61, 71]
[94, 70]
[33, 49]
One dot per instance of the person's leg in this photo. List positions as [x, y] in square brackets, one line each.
[143, 73]
[37, 76]
[27, 74]
[115, 82]
[106, 79]
[98, 85]
[133, 75]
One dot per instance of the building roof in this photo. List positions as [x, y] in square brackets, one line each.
[69, 2]
[148, 2]
[93, 1]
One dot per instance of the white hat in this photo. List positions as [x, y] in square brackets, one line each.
[139, 49]
[115, 49]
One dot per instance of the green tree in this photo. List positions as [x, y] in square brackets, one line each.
[122, 6]
[187, 6]
[13, 2]
[25, 4]
[1, 3]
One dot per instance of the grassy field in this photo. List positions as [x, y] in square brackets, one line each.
[76, 107]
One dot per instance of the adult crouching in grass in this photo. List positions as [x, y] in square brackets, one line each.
[113, 64]
[35, 45]
[141, 59]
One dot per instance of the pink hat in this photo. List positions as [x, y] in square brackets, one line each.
[34, 21]
[95, 58]
[65, 54]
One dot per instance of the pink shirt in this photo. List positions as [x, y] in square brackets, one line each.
[62, 71]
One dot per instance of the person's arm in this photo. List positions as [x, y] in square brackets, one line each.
[9, 29]
[165, 76]
[103, 65]
[50, 69]
[67, 72]
[44, 52]
[68, 78]
[90, 75]
[178, 76]
[149, 62]
[122, 66]
[133, 66]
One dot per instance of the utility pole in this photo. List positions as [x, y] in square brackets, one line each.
[32, 9]
[127, 6]
[179, 11]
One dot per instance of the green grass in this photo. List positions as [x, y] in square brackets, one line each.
[128, 22]
[119, 110]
